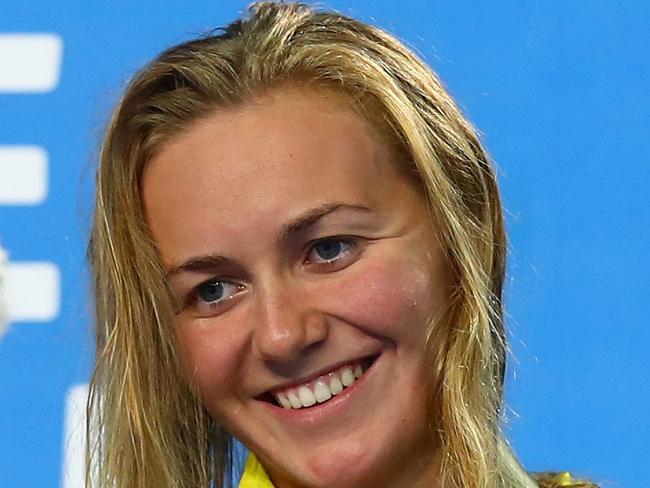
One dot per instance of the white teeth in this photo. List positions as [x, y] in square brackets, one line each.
[336, 386]
[306, 396]
[358, 371]
[284, 401]
[347, 376]
[294, 400]
[322, 392]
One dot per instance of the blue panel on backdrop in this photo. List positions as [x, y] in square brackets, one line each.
[560, 92]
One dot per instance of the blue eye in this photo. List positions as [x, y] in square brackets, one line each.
[210, 292]
[215, 291]
[329, 251]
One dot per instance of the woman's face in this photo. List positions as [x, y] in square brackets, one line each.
[305, 270]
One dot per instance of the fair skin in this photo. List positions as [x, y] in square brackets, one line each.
[295, 250]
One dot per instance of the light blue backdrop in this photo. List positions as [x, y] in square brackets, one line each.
[560, 91]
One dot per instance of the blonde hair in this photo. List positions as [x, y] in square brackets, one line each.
[146, 426]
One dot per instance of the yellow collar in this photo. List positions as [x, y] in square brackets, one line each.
[254, 475]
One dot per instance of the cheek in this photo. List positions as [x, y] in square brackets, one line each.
[212, 356]
[393, 298]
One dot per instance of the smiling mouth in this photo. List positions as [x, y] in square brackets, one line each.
[321, 389]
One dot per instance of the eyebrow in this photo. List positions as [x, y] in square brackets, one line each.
[198, 264]
[310, 217]
[301, 223]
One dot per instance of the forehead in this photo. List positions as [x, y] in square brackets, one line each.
[300, 118]
[265, 161]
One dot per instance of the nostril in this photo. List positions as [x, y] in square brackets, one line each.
[281, 343]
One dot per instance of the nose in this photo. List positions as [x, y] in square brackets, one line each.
[286, 325]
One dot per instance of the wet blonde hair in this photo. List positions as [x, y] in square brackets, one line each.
[146, 426]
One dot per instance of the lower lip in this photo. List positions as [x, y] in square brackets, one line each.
[322, 411]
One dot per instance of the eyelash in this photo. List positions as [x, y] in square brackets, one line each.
[349, 245]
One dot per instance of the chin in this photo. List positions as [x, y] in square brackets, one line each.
[353, 465]
[328, 472]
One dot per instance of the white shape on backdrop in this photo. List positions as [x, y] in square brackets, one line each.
[74, 441]
[30, 63]
[32, 291]
[23, 175]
